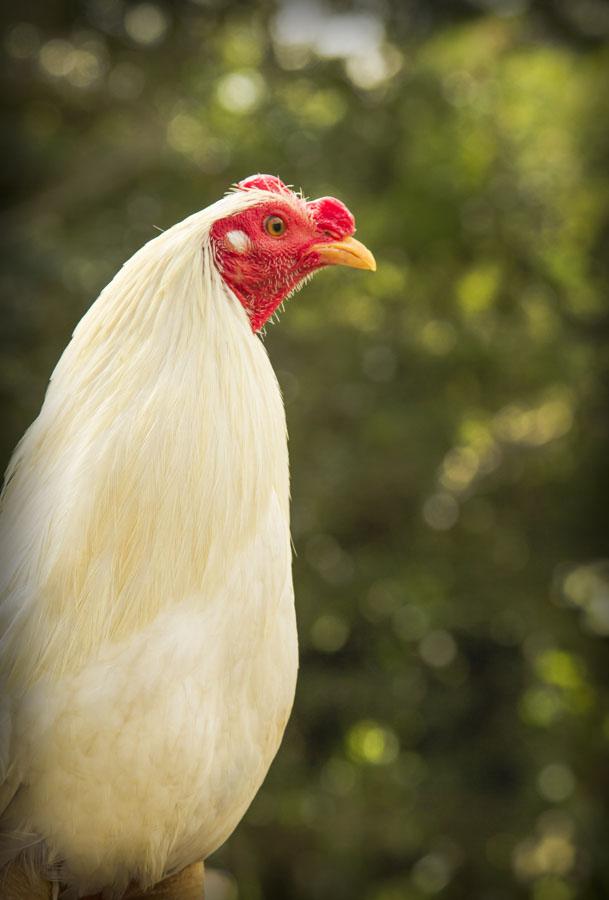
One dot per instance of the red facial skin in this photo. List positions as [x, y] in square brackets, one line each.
[271, 267]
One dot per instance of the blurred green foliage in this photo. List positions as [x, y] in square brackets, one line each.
[448, 416]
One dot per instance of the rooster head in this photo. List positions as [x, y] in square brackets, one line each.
[266, 251]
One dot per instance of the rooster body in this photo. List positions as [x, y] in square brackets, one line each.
[149, 650]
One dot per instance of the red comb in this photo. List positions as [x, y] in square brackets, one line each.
[332, 215]
[264, 183]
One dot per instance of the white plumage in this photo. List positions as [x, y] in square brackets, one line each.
[144, 550]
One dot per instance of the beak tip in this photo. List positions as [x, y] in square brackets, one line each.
[367, 260]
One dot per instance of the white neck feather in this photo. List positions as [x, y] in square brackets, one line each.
[160, 443]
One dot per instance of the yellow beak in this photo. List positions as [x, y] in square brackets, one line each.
[348, 252]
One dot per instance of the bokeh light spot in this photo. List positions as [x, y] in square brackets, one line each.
[438, 648]
[556, 782]
[369, 742]
[22, 40]
[240, 92]
[432, 873]
[329, 633]
[441, 511]
[146, 23]
[541, 706]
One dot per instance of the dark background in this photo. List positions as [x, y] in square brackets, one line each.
[448, 416]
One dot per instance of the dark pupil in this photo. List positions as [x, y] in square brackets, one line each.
[277, 226]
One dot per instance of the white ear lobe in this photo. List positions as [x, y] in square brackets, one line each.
[238, 240]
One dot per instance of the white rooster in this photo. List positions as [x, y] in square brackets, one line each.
[149, 651]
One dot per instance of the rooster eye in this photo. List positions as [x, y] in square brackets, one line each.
[274, 225]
